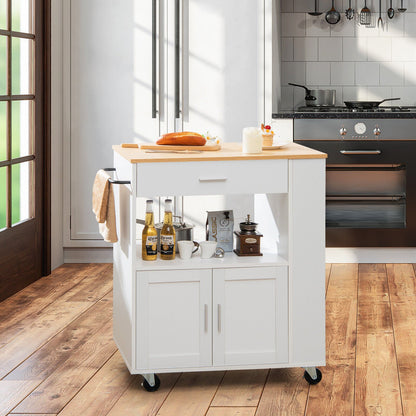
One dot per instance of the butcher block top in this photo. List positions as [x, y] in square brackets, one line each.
[229, 151]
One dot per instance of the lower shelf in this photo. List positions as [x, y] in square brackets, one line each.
[228, 261]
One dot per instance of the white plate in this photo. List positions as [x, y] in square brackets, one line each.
[276, 146]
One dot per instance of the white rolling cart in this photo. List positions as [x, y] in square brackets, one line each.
[234, 312]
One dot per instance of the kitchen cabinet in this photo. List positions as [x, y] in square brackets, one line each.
[173, 316]
[224, 313]
[211, 317]
[250, 316]
[138, 69]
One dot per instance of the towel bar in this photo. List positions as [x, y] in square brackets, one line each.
[114, 181]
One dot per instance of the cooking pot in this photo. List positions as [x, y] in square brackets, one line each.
[183, 231]
[318, 98]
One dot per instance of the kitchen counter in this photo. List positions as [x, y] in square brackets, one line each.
[229, 151]
[343, 115]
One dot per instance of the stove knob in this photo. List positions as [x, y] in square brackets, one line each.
[342, 131]
[377, 131]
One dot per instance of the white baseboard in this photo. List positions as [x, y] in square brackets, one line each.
[88, 255]
[371, 255]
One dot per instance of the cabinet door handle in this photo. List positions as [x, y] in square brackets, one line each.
[177, 58]
[154, 58]
[360, 152]
[206, 318]
[212, 179]
[219, 317]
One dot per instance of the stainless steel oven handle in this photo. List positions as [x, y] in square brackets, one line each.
[360, 152]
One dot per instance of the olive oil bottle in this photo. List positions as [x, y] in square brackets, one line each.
[167, 234]
[149, 234]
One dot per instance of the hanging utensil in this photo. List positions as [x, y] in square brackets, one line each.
[401, 9]
[349, 13]
[315, 13]
[380, 19]
[332, 16]
[390, 11]
[365, 15]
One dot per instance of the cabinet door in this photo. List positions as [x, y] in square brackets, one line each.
[173, 319]
[223, 66]
[250, 316]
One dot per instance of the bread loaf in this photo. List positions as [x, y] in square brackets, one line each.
[184, 138]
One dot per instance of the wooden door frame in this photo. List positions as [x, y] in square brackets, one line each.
[46, 180]
[35, 260]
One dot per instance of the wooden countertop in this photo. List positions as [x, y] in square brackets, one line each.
[229, 151]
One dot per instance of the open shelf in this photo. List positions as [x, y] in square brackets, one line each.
[195, 262]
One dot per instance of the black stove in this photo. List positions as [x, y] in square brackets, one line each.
[343, 109]
[337, 112]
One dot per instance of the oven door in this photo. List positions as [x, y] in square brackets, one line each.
[370, 192]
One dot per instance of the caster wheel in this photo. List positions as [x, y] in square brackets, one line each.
[148, 387]
[310, 380]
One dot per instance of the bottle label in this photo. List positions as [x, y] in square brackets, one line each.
[167, 244]
[151, 245]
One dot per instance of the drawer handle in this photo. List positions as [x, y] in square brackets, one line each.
[360, 152]
[212, 179]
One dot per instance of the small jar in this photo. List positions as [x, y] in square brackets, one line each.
[252, 140]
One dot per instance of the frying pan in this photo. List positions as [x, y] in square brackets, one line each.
[367, 104]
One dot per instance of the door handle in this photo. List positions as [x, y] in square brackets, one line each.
[177, 58]
[219, 317]
[360, 152]
[206, 318]
[154, 58]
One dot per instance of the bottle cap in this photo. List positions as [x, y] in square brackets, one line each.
[168, 205]
[149, 205]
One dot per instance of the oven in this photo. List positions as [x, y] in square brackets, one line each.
[370, 179]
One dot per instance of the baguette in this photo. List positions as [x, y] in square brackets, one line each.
[184, 138]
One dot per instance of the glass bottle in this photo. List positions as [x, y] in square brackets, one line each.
[149, 234]
[167, 234]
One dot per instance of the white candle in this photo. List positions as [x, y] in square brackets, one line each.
[252, 140]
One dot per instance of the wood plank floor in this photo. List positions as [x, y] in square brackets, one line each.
[57, 356]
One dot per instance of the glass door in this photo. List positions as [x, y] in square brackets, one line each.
[22, 144]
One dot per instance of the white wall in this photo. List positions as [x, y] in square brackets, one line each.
[359, 62]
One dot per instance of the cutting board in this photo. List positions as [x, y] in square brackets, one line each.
[171, 147]
[179, 147]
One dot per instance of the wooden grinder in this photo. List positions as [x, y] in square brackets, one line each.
[248, 239]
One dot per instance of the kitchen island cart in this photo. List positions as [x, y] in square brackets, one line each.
[233, 312]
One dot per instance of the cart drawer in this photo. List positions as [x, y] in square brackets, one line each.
[212, 177]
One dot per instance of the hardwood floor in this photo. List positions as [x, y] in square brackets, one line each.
[57, 356]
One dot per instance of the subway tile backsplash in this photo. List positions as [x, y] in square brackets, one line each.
[359, 62]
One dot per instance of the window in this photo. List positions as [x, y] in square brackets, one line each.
[17, 97]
